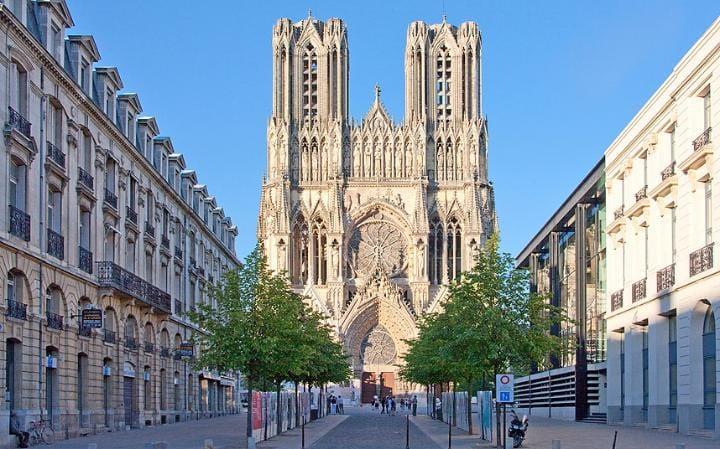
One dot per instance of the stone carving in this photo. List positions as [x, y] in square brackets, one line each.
[378, 348]
[377, 244]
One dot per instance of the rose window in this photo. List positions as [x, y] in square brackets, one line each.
[377, 244]
[378, 348]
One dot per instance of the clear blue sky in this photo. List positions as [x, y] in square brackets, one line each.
[561, 79]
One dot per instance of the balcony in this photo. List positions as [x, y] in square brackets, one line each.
[110, 199]
[165, 242]
[666, 278]
[19, 223]
[113, 276]
[56, 155]
[149, 230]
[86, 260]
[84, 331]
[641, 194]
[178, 253]
[701, 154]
[616, 300]
[618, 223]
[109, 336]
[55, 321]
[85, 179]
[16, 310]
[641, 203]
[164, 352]
[131, 343]
[702, 140]
[619, 212]
[701, 260]
[668, 185]
[131, 214]
[639, 290]
[18, 122]
[55, 244]
[149, 347]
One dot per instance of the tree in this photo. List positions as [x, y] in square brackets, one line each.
[490, 323]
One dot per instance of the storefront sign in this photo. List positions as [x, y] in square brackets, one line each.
[92, 318]
[185, 349]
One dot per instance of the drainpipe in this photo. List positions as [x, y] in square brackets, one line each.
[41, 240]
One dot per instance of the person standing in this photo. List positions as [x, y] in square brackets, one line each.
[340, 408]
[414, 405]
[393, 406]
[383, 403]
[333, 405]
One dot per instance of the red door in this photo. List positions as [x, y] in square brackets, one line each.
[387, 384]
[368, 388]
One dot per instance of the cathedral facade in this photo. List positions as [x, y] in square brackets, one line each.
[372, 220]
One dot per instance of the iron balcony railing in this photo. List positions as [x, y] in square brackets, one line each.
[619, 212]
[666, 277]
[19, 223]
[112, 275]
[55, 321]
[639, 290]
[164, 352]
[701, 260]
[149, 347]
[84, 331]
[641, 194]
[17, 121]
[109, 336]
[149, 230]
[131, 214]
[16, 309]
[703, 139]
[668, 171]
[55, 154]
[616, 300]
[55, 244]
[86, 260]
[165, 241]
[130, 342]
[111, 199]
[85, 178]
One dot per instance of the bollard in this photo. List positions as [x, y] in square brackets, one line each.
[555, 444]
[208, 444]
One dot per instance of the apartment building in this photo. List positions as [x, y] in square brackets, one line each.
[103, 225]
[663, 282]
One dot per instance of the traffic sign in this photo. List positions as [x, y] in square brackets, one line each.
[505, 388]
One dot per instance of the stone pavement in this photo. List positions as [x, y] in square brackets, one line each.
[227, 432]
[314, 431]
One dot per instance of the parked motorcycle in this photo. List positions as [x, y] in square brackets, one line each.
[517, 428]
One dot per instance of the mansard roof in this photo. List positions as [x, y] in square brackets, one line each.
[112, 73]
[176, 157]
[151, 123]
[132, 98]
[87, 41]
[62, 10]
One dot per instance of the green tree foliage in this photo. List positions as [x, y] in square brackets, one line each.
[490, 323]
[261, 328]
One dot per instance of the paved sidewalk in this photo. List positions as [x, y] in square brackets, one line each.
[314, 430]
[227, 432]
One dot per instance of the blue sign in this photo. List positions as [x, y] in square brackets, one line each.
[505, 396]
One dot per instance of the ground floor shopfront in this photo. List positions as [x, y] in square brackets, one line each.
[663, 359]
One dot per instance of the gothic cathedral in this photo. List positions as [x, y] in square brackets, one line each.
[372, 220]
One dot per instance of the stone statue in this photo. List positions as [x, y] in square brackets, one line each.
[421, 260]
[281, 256]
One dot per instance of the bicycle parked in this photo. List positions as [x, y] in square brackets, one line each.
[41, 432]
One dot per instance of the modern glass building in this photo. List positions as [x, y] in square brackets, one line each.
[566, 260]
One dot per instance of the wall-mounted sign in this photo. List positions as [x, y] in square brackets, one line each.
[185, 349]
[146, 375]
[107, 371]
[128, 370]
[51, 362]
[92, 318]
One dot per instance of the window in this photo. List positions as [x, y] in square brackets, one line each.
[54, 212]
[443, 76]
[109, 103]
[110, 175]
[708, 212]
[672, 368]
[672, 143]
[149, 267]
[19, 93]
[148, 148]
[130, 256]
[165, 222]
[707, 110]
[192, 295]
[454, 249]
[129, 126]
[163, 165]
[54, 41]
[86, 154]
[55, 125]
[17, 179]
[84, 75]
[309, 85]
[164, 276]
[436, 252]
[132, 194]
[84, 229]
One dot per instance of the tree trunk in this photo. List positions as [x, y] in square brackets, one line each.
[278, 388]
[498, 439]
[297, 406]
[469, 407]
[249, 431]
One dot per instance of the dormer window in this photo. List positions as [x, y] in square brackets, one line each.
[148, 147]
[109, 103]
[163, 165]
[130, 127]
[54, 41]
[84, 75]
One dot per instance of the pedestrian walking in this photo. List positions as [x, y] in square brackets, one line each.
[340, 408]
[383, 403]
[414, 405]
[393, 407]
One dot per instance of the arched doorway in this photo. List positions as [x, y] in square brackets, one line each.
[709, 369]
[129, 406]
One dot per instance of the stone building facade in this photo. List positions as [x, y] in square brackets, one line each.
[371, 220]
[663, 281]
[99, 212]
